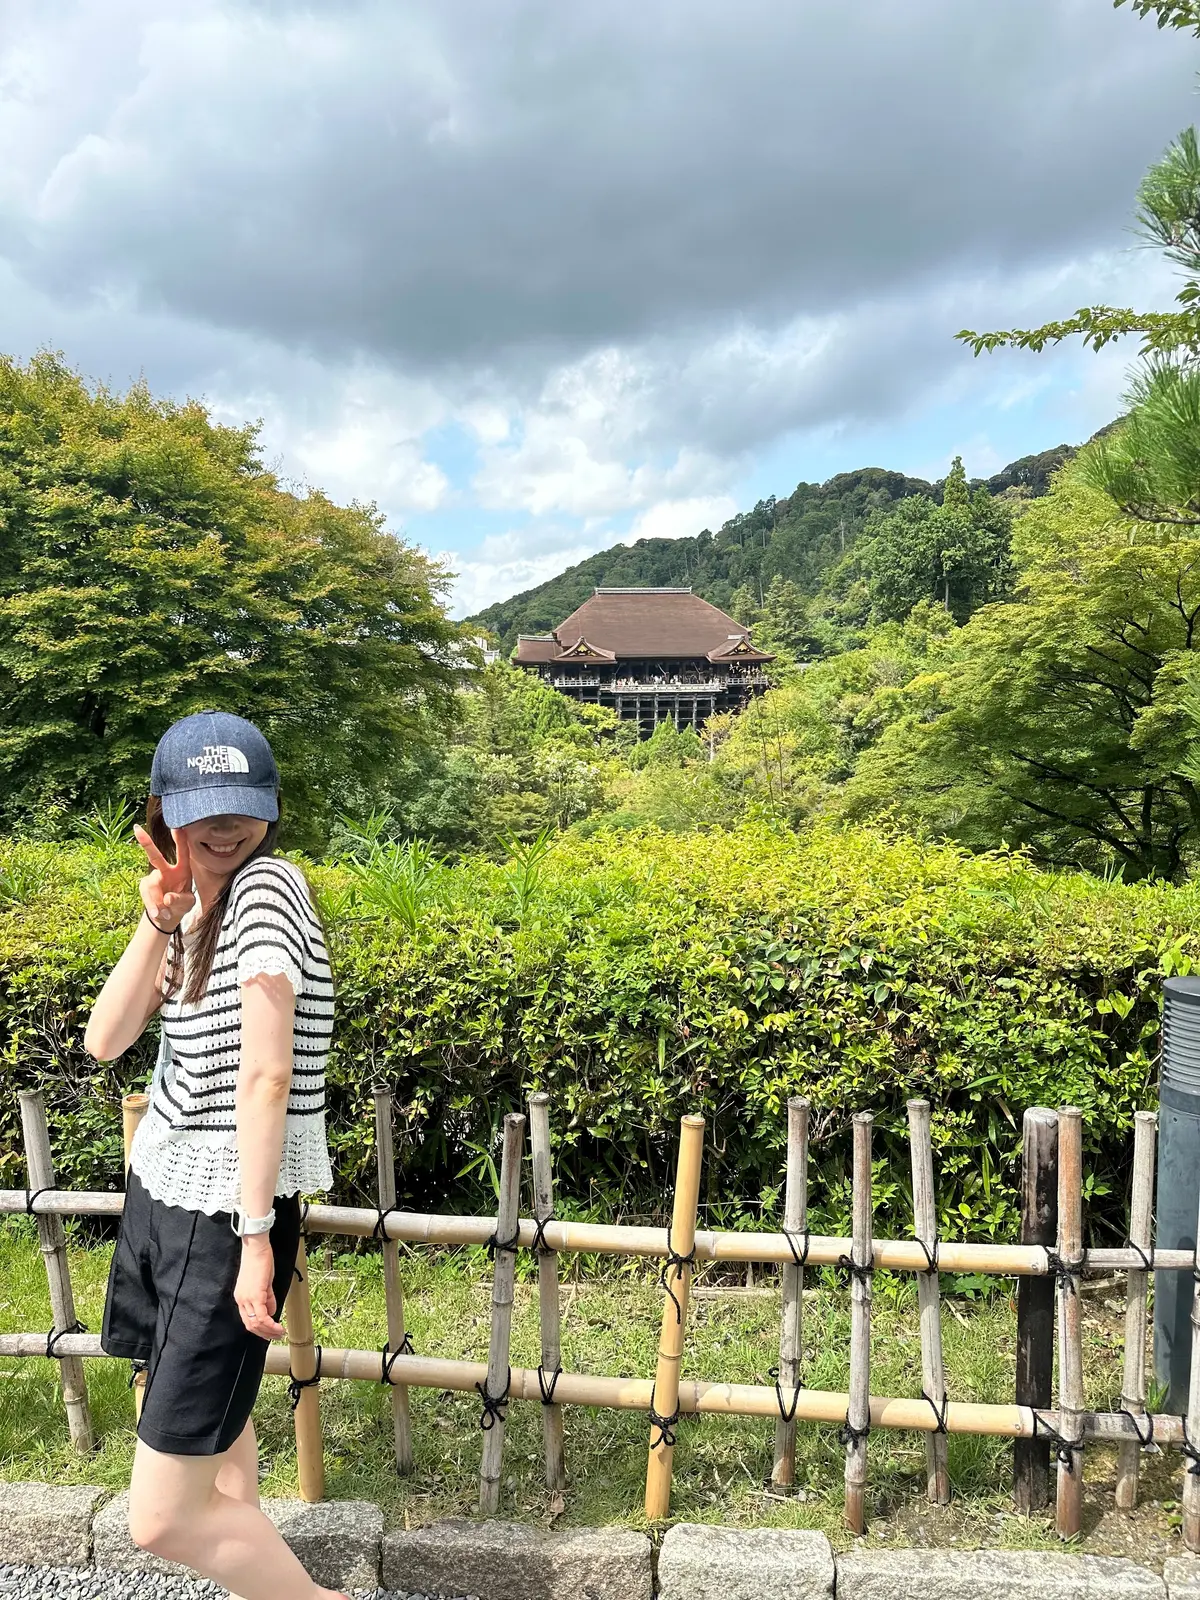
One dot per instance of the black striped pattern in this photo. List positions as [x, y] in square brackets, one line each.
[269, 926]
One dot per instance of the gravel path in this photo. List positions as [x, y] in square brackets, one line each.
[84, 1583]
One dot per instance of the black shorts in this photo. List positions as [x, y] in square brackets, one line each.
[170, 1304]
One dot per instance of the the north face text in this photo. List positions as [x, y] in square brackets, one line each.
[219, 758]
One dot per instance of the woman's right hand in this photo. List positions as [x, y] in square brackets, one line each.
[166, 890]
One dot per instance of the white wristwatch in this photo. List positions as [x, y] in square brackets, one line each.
[243, 1225]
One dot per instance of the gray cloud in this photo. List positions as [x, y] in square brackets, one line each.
[451, 182]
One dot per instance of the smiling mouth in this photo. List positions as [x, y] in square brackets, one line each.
[224, 850]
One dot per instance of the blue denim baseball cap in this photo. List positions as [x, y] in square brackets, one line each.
[213, 764]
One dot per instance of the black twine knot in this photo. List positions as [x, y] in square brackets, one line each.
[387, 1356]
[849, 1435]
[678, 1261]
[303, 1219]
[538, 1243]
[939, 1411]
[1064, 1449]
[382, 1213]
[931, 1254]
[56, 1334]
[548, 1387]
[296, 1386]
[1147, 1262]
[1067, 1272]
[800, 1256]
[136, 1369]
[787, 1413]
[666, 1425]
[1191, 1452]
[494, 1406]
[861, 1270]
[31, 1195]
[497, 1246]
[1145, 1440]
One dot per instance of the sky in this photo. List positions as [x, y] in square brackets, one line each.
[540, 276]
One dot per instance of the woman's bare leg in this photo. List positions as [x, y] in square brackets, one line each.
[177, 1511]
[237, 1475]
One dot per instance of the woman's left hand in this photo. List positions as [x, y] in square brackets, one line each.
[253, 1291]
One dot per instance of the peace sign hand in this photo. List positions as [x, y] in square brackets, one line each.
[166, 890]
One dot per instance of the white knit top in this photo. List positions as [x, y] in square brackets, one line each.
[185, 1150]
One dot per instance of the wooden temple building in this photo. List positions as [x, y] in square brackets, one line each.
[653, 655]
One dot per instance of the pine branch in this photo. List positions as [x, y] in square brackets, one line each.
[1162, 331]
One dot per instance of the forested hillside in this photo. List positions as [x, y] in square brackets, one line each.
[800, 539]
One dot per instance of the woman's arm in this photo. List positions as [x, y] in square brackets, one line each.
[133, 991]
[130, 997]
[261, 1099]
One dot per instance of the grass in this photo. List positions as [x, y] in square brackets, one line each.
[610, 1326]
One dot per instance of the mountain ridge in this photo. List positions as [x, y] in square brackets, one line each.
[798, 538]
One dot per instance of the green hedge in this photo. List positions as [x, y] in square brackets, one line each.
[639, 976]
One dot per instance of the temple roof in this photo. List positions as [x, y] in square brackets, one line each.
[624, 624]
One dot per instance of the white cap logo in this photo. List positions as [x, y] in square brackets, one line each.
[219, 758]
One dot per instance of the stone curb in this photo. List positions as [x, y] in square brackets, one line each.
[1182, 1577]
[744, 1564]
[509, 1561]
[343, 1545]
[992, 1575]
[338, 1541]
[42, 1524]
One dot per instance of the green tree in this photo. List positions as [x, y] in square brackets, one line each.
[1066, 721]
[955, 553]
[150, 567]
[521, 757]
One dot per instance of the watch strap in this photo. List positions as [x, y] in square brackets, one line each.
[243, 1225]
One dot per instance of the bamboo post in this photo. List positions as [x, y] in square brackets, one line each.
[1035, 1304]
[1133, 1387]
[385, 1163]
[1191, 1483]
[858, 1411]
[795, 1220]
[549, 1309]
[133, 1109]
[1070, 1322]
[496, 1385]
[933, 1371]
[302, 1366]
[677, 1280]
[53, 1241]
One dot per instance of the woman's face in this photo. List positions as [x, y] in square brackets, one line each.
[219, 845]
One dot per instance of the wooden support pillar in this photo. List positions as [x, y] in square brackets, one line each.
[1035, 1304]
[929, 1300]
[550, 1313]
[496, 1385]
[858, 1412]
[1141, 1224]
[53, 1241]
[302, 1367]
[791, 1346]
[677, 1279]
[1070, 1322]
[393, 1290]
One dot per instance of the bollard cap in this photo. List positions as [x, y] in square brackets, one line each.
[1181, 1035]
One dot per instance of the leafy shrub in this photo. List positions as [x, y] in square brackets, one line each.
[639, 975]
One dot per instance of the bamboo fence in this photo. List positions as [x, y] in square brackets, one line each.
[1052, 1186]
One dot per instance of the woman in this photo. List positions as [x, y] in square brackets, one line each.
[231, 951]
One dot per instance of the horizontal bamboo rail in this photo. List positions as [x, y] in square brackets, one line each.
[633, 1394]
[890, 1255]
